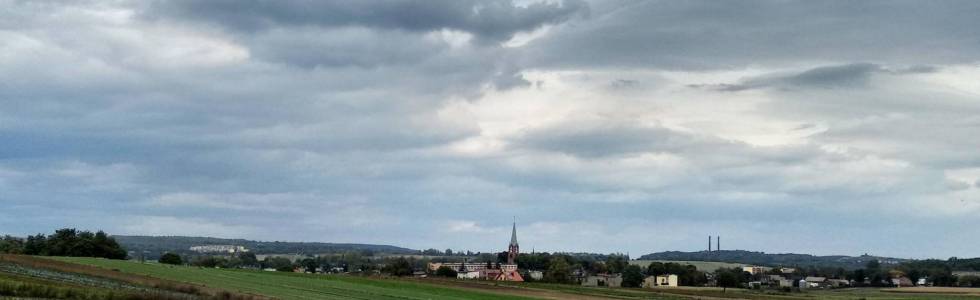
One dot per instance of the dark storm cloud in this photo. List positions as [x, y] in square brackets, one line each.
[723, 35]
[496, 20]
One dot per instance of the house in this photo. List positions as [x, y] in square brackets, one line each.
[777, 281]
[609, 280]
[814, 282]
[667, 280]
[838, 283]
[755, 269]
[536, 275]
[922, 281]
[468, 275]
[787, 270]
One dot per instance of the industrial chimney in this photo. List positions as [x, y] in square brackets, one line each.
[709, 243]
[718, 244]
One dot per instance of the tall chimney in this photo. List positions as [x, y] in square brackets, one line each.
[718, 244]
[709, 243]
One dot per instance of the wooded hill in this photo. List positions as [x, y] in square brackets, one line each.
[775, 259]
[157, 245]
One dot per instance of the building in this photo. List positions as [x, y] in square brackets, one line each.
[468, 275]
[467, 267]
[608, 280]
[838, 283]
[536, 275]
[668, 280]
[777, 281]
[814, 282]
[755, 270]
[488, 271]
[219, 249]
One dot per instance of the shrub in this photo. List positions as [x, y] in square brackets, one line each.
[171, 259]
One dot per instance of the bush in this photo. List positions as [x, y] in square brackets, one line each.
[170, 259]
[445, 271]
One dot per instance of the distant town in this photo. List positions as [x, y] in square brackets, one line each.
[712, 267]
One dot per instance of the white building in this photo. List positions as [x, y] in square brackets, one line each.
[536, 275]
[668, 280]
[219, 249]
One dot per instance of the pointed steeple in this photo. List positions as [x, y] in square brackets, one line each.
[513, 235]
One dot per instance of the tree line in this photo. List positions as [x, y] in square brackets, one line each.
[65, 242]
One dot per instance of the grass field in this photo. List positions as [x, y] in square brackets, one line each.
[307, 286]
[292, 285]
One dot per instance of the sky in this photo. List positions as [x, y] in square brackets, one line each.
[822, 127]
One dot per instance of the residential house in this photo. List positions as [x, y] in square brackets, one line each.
[838, 283]
[755, 269]
[814, 282]
[777, 281]
[468, 275]
[608, 280]
[667, 280]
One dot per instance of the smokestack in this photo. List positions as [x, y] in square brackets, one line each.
[718, 244]
[709, 243]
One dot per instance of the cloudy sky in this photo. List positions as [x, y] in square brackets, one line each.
[825, 127]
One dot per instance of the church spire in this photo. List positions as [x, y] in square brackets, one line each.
[513, 235]
[513, 249]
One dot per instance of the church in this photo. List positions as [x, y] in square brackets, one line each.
[489, 271]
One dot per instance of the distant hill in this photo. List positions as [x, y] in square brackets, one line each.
[770, 259]
[704, 266]
[156, 245]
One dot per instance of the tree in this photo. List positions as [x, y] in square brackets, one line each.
[616, 263]
[36, 245]
[400, 267]
[445, 271]
[248, 259]
[209, 262]
[309, 265]
[281, 264]
[11, 245]
[729, 278]
[969, 281]
[558, 270]
[170, 259]
[632, 276]
[656, 268]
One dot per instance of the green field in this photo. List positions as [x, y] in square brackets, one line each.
[292, 285]
[308, 286]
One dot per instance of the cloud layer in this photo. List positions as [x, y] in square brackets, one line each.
[433, 123]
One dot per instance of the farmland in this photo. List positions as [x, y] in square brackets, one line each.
[62, 277]
[294, 286]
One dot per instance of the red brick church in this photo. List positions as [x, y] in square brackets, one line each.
[487, 271]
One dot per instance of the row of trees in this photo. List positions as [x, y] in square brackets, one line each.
[65, 242]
